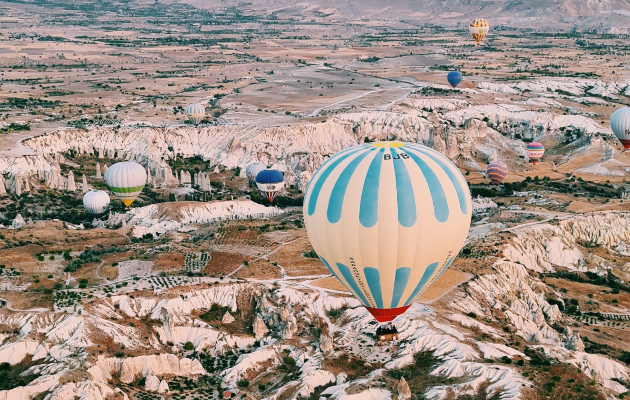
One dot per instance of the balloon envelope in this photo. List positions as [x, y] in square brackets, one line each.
[620, 124]
[479, 29]
[270, 182]
[126, 180]
[497, 172]
[195, 113]
[454, 78]
[96, 202]
[253, 169]
[387, 219]
[534, 151]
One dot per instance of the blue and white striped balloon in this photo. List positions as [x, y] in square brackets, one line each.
[195, 113]
[387, 219]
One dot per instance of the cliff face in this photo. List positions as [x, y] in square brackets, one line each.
[459, 129]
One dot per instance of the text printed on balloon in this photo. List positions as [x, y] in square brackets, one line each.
[357, 276]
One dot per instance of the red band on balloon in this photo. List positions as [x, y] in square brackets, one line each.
[625, 143]
[386, 314]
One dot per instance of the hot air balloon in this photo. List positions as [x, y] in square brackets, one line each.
[126, 180]
[195, 113]
[534, 151]
[620, 124]
[386, 219]
[96, 202]
[270, 182]
[253, 169]
[478, 29]
[454, 78]
[496, 172]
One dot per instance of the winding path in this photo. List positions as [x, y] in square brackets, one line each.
[37, 310]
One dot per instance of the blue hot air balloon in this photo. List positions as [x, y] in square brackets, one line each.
[454, 78]
[270, 182]
[387, 219]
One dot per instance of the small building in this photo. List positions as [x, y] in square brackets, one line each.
[387, 333]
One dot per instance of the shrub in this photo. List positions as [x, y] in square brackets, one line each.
[311, 254]
[189, 346]
[58, 286]
[243, 384]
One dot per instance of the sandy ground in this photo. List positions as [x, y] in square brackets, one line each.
[295, 264]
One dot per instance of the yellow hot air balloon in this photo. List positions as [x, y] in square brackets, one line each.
[478, 29]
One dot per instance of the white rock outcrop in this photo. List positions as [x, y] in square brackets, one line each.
[133, 368]
[227, 318]
[404, 393]
[325, 343]
[71, 185]
[158, 219]
[151, 383]
[18, 222]
[259, 328]
[163, 388]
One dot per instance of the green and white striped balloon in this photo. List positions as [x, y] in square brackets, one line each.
[126, 180]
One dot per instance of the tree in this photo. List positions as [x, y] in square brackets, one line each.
[243, 384]
[189, 346]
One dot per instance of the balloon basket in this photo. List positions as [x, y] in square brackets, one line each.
[386, 333]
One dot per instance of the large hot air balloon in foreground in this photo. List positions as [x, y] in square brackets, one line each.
[126, 180]
[195, 113]
[253, 169]
[620, 124]
[386, 219]
[534, 151]
[96, 202]
[479, 29]
[454, 78]
[270, 182]
[497, 172]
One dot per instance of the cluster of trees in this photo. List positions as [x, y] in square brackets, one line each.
[91, 256]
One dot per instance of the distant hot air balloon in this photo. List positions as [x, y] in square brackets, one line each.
[386, 219]
[478, 29]
[620, 124]
[270, 182]
[96, 202]
[534, 151]
[253, 169]
[496, 172]
[126, 180]
[195, 113]
[454, 78]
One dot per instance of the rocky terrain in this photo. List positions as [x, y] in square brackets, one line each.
[205, 290]
[291, 326]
